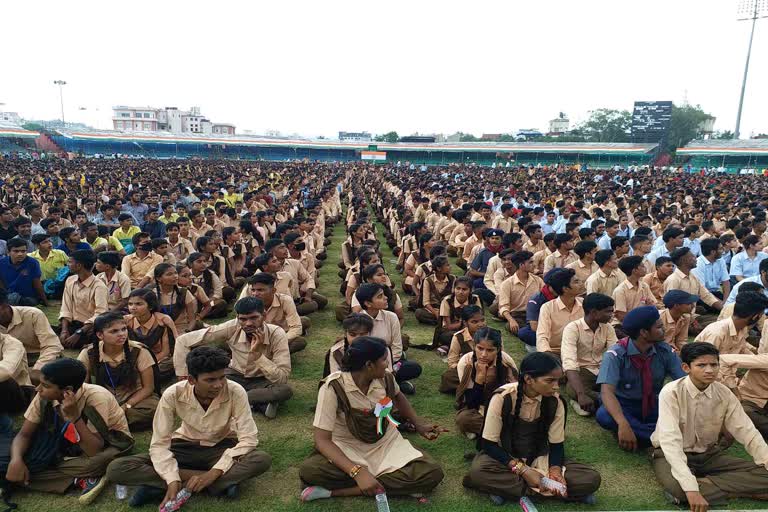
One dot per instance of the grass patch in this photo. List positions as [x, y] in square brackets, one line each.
[628, 482]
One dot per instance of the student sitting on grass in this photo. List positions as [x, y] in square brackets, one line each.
[482, 372]
[355, 326]
[125, 368]
[155, 330]
[71, 432]
[214, 448]
[523, 439]
[353, 458]
[472, 319]
[688, 460]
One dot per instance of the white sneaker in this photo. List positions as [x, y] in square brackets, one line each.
[577, 409]
[271, 411]
[470, 435]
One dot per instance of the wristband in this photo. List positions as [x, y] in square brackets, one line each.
[355, 471]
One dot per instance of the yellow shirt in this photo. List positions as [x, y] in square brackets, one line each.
[50, 266]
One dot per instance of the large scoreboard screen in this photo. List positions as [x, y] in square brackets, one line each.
[650, 121]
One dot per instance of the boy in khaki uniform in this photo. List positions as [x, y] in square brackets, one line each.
[688, 460]
[217, 432]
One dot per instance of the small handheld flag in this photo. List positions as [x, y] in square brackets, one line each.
[71, 434]
[383, 412]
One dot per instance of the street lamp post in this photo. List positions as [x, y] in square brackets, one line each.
[750, 10]
[61, 84]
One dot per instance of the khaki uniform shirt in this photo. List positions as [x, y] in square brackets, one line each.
[691, 420]
[581, 347]
[83, 301]
[675, 331]
[657, 287]
[31, 327]
[118, 288]
[283, 313]
[123, 391]
[628, 296]
[724, 336]
[690, 284]
[583, 271]
[388, 454]
[559, 260]
[600, 282]
[227, 417]
[13, 361]
[386, 326]
[514, 294]
[267, 357]
[136, 268]
[553, 317]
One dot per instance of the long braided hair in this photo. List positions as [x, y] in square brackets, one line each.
[534, 365]
[423, 256]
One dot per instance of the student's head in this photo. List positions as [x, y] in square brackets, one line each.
[166, 274]
[262, 286]
[143, 302]
[207, 367]
[60, 376]
[683, 257]
[356, 325]
[679, 302]
[585, 248]
[441, 264]
[750, 306]
[462, 288]
[488, 350]
[632, 266]
[701, 361]
[110, 328]
[142, 241]
[81, 260]
[107, 260]
[564, 281]
[375, 273]
[540, 372]
[664, 266]
[473, 318]
[17, 250]
[673, 237]
[250, 315]
[371, 296]
[644, 324]
[367, 355]
[524, 260]
[640, 244]
[606, 260]
[598, 307]
[711, 247]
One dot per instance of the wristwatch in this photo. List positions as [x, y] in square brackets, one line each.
[79, 332]
[128, 406]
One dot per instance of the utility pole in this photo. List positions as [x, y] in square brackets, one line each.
[753, 9]
[61, 84]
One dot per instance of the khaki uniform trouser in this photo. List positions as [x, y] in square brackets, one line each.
[59, 478]
[418, 476]
[489, 475]
[449, 382]
[140, 416]
[260, 390]
[138, 469]
[727, 476]
[470, 421]
[588, 382]
[758, 415]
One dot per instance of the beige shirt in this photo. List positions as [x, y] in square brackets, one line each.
[13, 361]
[534, 248]
[283, 313]
[559, 260]
[538, 259]
[228, 416]
[83, 301]
[388, 454]
[628, 296]
[727, 312]
[466, 360]
[268, 357]
[124, 390]
[690, 284]
[136, 268]
[553, 317]
[675, 331]
[583, 271]
[426, 290]
[530, 410]
[454, 351]
[691, 420]
[91, 395]
[386, 326]
[301, 278]
[600, 282]
[181, 249]
[514, 293]
[469, 245]
[724, 336]
[657, 287]
[494, 264]
[753, 386]
[31, 327]
[581, 347]
[118, 288]
[507, 224]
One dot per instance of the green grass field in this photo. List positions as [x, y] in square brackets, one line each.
[628, 482]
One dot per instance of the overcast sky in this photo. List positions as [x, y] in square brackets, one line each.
[315, 68]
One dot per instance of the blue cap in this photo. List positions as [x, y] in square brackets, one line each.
[640, 318]
[674, 297]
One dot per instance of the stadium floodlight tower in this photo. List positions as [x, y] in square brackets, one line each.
[748, 10]
[61, 84]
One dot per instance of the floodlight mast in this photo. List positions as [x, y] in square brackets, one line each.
[753, 9]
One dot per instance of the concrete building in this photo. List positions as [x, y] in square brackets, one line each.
[168, 119]
[355, 136]
[559, 125]
[11, 117]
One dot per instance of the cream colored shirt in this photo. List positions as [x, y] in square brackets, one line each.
[691, 420]
[628, 296]
[675, 331]
[657, 287]
[690, 284]
[559, 260]
[724, 336]
[553, 317]
[118, 288]
[136, 268]
[583, 271]
[13, 361]
[228, 416]
[83, 301]
[123, 391]
[514, 293]
[386, 326]
[267, 357]
[600, 282]
[388, 454]
[454, 351]
[31, 327]
[581, 347]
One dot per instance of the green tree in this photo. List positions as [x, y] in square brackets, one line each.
[607, 125]
[467, 137]
[34, 127]
[685, 126]
[390, 137]
[726, 135]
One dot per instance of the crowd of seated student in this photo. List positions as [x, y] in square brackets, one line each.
[604, 301]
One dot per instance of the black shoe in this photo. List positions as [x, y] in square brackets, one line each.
[232, 492]
[146, 494]
[408, 388]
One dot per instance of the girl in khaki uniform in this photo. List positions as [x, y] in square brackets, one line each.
[151, 328]
[472, 319]
[352, 458]
[523, 438]
[125, 368]
[482, 371]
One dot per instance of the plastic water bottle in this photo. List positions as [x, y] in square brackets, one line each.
[121, 492]
[382, 505]
[553, 485]
[175, 504]
[527, 505]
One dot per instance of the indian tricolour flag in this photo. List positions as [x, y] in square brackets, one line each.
[373, 155]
